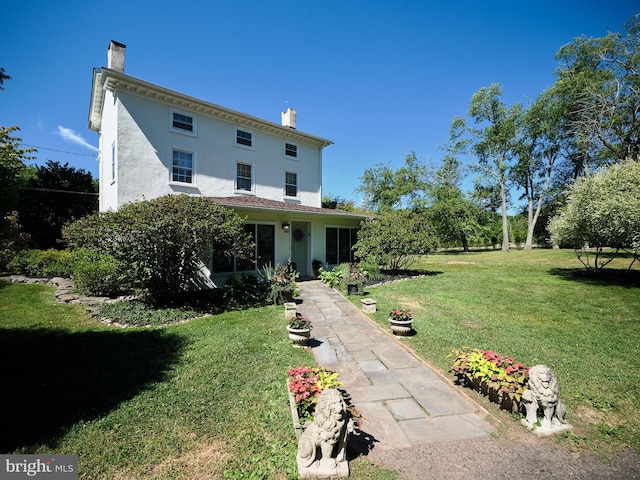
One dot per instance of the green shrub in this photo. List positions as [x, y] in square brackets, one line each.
[163, 242]
[372, 269]
[394, 239]
[335, 276]
[97, 274]
[43, 263]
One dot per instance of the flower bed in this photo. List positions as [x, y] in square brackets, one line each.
[499, 377]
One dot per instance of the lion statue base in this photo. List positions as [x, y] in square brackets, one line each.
[322, 448]
[544, 411]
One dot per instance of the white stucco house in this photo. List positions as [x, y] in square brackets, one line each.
[154, 141]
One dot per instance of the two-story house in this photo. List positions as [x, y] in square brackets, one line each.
[154, 141]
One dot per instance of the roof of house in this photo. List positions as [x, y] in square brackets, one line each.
[251, 202]
[108, 79]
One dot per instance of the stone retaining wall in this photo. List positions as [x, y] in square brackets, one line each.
[64, 292]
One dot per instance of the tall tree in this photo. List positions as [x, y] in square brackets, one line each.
[454, 217]
[13, 176]
[537, 151]
[494, 141]
[13, 171]
[601, 78]
[56, 195]
[385, 189]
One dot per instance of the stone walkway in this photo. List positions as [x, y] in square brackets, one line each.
[403, 402]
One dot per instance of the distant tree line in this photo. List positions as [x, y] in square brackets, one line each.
[525, 155]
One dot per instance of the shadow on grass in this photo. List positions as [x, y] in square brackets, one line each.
[53, 379]
[613, 276]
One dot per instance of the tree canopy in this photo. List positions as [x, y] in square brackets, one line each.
[55, 195]
[385, 188]
[600, 80]
[494, 143]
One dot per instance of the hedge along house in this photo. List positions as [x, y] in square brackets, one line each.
[154, 142]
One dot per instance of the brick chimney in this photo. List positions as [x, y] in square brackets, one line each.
[115, 56]
[289, 118]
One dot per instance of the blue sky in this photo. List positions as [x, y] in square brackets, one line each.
[379, 78]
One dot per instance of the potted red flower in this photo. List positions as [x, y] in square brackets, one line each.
[401, 322]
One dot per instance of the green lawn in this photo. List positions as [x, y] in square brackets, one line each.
[536, 307]
[205, 399]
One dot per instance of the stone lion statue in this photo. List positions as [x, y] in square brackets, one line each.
[322, 446]
[542, 396]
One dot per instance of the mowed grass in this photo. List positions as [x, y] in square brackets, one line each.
[205, 399]
[537, 307]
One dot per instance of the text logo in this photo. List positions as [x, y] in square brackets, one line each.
[49, 467]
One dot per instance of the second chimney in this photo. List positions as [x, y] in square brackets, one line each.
[115, 56]
[289, 118]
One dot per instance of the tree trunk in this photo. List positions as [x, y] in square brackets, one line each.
[465, 241]
[528, 244]
[532, 218]
[505, 220]
[532, 223]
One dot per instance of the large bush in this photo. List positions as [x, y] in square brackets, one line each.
[162, 242]
[602, 210]
[392, 239]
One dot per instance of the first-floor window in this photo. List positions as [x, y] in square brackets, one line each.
[243, 178]
[338, 245]
[263, 237]
[182, 167]
[291, 184]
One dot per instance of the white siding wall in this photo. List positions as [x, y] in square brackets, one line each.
[108, 135]
[145, 141]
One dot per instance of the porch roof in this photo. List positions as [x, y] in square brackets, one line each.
[251, 202]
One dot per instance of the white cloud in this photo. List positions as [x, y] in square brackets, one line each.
[71, 136]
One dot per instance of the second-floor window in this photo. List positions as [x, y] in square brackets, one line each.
[182, 122]
[244, 180]
[291, 184]
[244, 138]
[291, 150]
[182, 167]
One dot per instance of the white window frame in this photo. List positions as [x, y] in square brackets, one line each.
[252, 178]
[113, 163]
[194, 123]
[286, 194]
[193, 168]
[242, 145]
[295, 149]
